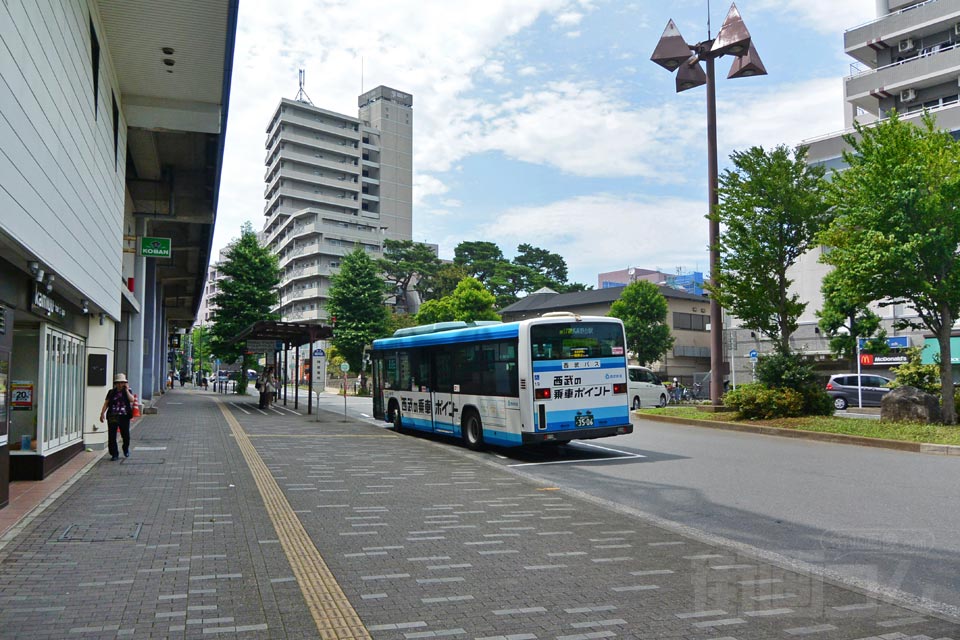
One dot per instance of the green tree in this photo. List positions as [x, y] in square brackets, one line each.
[548, 269]
[508, 281]
[843, 320]
[356, 299]
[913, 373]
[442, 283]
[772, 206]
[245, 296]
[478, 258]
[897, 228]
[643, 310]
[202, 353]
[469, 301]
[405, 262]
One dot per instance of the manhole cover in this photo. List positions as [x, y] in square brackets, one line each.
[100, 532]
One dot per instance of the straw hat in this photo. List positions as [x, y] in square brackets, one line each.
[120, 377]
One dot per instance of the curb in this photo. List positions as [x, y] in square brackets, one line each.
[840, 438]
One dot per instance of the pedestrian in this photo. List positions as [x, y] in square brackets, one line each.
[261, 386]
[118, 409]
[270, 385]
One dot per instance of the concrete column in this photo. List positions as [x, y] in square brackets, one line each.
[883, 8]
[100, 340]
[134, 364]
[149, 312]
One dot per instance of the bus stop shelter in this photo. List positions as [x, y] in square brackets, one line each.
[285, 336]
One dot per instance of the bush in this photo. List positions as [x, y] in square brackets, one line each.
[912, 373]
[757, 402]
[780, 371]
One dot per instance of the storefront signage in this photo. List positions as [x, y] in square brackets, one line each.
[155, 247]
[870, 360]
[21, 396]
[43, 305]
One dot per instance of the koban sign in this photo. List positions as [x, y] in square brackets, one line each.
[155, 247]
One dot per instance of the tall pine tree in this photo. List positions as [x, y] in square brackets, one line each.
[246, 295]
[356, 300]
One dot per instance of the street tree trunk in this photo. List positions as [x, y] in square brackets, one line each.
[948, 408]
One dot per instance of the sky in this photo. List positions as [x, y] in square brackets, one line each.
[541, 121]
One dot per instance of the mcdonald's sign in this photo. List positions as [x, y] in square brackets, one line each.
[866, 359]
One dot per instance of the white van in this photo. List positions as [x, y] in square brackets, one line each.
[645, 388]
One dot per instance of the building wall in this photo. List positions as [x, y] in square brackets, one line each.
[63, 177]
[335, 182]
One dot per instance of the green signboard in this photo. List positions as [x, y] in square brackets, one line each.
[155, 247]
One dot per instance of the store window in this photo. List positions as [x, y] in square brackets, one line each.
[60, 395]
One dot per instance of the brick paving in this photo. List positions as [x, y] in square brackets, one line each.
[425, 540]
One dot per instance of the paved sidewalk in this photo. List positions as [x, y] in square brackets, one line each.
[234, 523]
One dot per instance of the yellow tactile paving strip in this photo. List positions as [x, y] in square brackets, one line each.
[332, 612]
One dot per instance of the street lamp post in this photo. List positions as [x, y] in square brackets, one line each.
[674, 54]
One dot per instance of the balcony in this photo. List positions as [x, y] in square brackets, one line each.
[346, 183]
[289, 154]
[316, 125]
[917, 21]
[315, 143]
[865, 89]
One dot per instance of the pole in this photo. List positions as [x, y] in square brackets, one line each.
[286, 372]
[344, 395]
[859, 378]
[313, 374]
[296, 379]
[716, 319]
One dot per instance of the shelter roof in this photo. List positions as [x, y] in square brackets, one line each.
[295, 334]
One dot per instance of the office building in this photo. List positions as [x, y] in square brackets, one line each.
[335, 182]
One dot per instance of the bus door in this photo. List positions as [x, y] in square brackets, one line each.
[446, 417]
[378, 386]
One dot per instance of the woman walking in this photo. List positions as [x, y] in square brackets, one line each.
[118, 408]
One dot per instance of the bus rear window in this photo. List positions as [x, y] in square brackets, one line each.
[576, 340]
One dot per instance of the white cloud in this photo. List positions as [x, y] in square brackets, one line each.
[568, 19]
[572, 34]
[602, 232]
[527, 71]
[425, 186]
[826, 16]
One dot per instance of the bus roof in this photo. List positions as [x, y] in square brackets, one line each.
[452, 332]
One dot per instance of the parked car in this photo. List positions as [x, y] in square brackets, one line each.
[843, 388]
[645, 388]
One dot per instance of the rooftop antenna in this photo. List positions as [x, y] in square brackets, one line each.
[361, 75]
[302, 95]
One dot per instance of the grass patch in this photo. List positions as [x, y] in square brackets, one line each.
[902, 431]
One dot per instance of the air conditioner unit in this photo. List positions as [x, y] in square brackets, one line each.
[908, 95]
[906, 45]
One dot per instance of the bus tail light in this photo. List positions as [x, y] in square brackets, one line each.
[542, 394]
[619, 387]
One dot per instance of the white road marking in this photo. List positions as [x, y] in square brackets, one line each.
[296, 413]
[624, 455]
[364, 415]
[239, 407]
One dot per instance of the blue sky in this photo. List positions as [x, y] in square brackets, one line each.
[541, 121]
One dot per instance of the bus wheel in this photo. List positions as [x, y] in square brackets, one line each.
[395, 418]
[472, 430]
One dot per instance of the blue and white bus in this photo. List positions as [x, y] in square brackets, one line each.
[546, 380]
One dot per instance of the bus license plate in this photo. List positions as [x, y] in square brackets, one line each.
[583, 421]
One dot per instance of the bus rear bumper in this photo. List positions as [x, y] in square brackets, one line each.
[576, 434]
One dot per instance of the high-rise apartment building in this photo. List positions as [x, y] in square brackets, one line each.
[335, 182]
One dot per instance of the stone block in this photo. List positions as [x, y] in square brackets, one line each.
[909, 404]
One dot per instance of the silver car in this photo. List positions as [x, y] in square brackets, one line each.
[845, 389]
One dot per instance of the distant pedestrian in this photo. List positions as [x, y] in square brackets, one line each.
[118, 409]
[266, 385]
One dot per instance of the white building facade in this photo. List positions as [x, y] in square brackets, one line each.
[335, 182]
[112, 115]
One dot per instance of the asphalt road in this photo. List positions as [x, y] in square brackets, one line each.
[885, 520]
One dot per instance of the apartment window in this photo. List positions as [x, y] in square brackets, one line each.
[95, 63]
[116, 131]
[690, 321]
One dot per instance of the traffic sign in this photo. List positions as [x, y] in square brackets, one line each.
[344, 367]
[319, 353]
[754, 355]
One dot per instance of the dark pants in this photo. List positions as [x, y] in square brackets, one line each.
[124, 427]
[263, 400]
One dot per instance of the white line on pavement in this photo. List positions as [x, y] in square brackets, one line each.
[239, 407]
